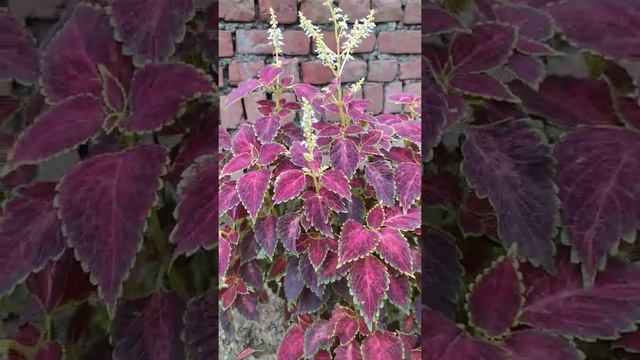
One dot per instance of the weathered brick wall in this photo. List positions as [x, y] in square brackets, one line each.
[388, 59]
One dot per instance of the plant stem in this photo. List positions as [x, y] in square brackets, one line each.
[161, 245]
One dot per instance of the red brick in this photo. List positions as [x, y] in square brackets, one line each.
[316, 11]
[412, 12]
[390, 89]
[367, 44]
[355, 9]
[225, 47]
[240, 71]
[296, 43]
[313, 72]
[382, 70]
[400, 42]
[410, 70]
[237, 10]
[251, 106]
[292, 67]
[286, 10]
[375, 93]
[387, 10]
[232, 116]
[220, 76]
[253, 42]
[413, 88]
[354, 70]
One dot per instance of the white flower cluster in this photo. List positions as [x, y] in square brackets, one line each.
[361, 30]
[326, 55]
[355, 87]
[275, 35]
[308, 119]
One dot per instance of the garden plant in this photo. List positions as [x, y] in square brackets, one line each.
[324, 213]
[108, 183]
[531, 180]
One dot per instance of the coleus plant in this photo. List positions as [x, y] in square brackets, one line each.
[326, 214]
[532, 151]
[104, 261]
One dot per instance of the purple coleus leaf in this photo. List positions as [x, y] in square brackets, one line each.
[251, 188]
[247, 306]
[267, 128]
[410, 130]
[345, 324]
[113, 94]
[292, 345]
[149, 29]
[434, 108]
[528, 69]
[399, 292]
[244, 141]
[350, 351]
[269, 74]
[293, 282]
[408, 179]
[495, 298]
[310, 276]
[90, 198]
[227, 197]
[201, 140]
[265, 233]
[439, 22]
[382, 345]
[317, 213]
[355, 242]
[532, 47]
[601, 204]
[481, 85]
[236, 163]
[224, 255]
[441, 272]
[603, 26]
[317, 336]
[329, 270]
[394, 249]
[531, 23]
[60, 128]
[335, 181]
[70, 62]
[530, 344]
[150, 328]
[375, 217]
[269, 153]
[344, 156]
[569, 101]
[196, 213]
[244, 88]
[563, 305]
[18, 52]
[629, 341]
[380, 175]
[489, 47]
[288, 230]
[368, 283]
[200, 326]
[510, 164]
[398, 219]
[29, 233]
[159, 92]
[288, 185]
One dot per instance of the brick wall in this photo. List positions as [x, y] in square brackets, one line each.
[389, 60]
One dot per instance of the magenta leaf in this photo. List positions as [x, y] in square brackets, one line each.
[489, 47]
[268, 74]
[113, 94]
[200, 326]
[603, 26]
[355, 242]
[382, 345]
[329, 271]
[196, 212]
[318, 336]
[335, 181]
[600, 203]
[531, 47]
[265, 233]
[410, 130]
[50, 351]
[345, 324]
[29, 234]
[569, 101]
[244, 141]
[368, 283]
[439, 22]
[90, 198]
[408, 178]
[288, 185]
[481, 85]
[441, 271]
[149, 327]
[228, 197]
[70, 62]
[495, 298]
[399, 292]
[375, 217]
[224, 255]
[350, 351]
[159, 92]
[531, 23]
[201, 140]
[508, 163]
[60, 128]
[18, 52]
[317, 251]
[247, 306]
[395, 250]
[236, 163]
[244, 88]
[397, 219]
[344, 156]
[317, 213]
[630, 341]
[380, 175]
[530, 344]
[267, 128]
[149, 29]
[251, 188]
[310, 276]
[293, 282]
[288, 230]
[292, 345]
[527, 69]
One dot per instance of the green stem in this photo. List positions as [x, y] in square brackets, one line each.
[161, 245]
